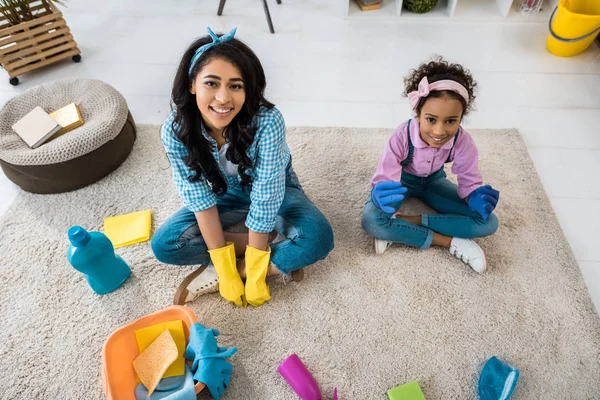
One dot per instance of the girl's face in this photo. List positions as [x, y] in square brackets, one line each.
[439, 120]
[220, 93]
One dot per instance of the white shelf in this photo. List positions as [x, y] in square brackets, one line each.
[440, 10]
[468, 10]
[388, 10]
[542, 16]
[478, 9]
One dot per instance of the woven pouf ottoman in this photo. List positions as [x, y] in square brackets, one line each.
[79, 157]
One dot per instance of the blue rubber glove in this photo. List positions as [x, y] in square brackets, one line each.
[386, 193]
[483, 200]
[215, 373]
[202, 343]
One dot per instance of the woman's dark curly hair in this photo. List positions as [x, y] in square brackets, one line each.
[436, 70]
[240, 133]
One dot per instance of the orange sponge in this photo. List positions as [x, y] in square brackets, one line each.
[152, 363]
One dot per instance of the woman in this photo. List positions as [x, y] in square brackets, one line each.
[230, 162]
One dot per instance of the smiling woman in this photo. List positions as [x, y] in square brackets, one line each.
[231, 163]
[220, 95]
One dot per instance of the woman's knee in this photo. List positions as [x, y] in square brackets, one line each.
[316, 237]
[163, 246]
[324, 238]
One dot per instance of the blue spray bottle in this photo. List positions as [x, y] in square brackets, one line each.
[93, 254]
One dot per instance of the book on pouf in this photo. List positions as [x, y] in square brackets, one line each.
[69, 117]
[36, 127]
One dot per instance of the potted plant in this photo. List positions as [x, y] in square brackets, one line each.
[419, 6]
[33, 34]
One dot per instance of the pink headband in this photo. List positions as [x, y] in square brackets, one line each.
[425, 88]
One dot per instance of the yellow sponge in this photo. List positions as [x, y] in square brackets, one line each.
[152, 363]
[148, 335]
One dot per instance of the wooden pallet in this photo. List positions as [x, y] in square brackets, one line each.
[34, 44]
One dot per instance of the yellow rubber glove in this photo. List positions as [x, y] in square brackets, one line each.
[230, 283]
[257, 264]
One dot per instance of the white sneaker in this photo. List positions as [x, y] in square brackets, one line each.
[380, 246]
[202, 281]
[470, 253]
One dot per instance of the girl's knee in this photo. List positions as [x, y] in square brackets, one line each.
[489, 227]
[375, 222]
[370, 221]
[366, 222]
[492, 224]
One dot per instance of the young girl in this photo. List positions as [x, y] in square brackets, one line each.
[412, 165]
[230, 161]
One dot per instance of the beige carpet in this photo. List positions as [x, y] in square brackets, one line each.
[360, 322]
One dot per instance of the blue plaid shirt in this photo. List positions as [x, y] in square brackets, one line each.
[270, 156]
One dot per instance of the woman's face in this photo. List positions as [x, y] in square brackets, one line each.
[439, 120]
[220, 93]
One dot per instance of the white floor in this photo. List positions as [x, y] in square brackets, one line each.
[323, 70]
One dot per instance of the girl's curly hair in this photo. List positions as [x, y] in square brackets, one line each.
[436, 70]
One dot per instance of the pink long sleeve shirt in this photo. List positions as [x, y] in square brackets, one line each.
[428, 160]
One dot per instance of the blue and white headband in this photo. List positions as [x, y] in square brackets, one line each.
[216, 40]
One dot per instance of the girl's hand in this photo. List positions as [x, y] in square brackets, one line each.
[386, 193]
[484, 200]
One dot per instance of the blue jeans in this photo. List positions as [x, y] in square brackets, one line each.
[308, 234]
[455, 218]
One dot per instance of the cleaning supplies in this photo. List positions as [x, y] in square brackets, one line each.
[147, 335]
[93, 254]
[208, 359]
[128, 229]
[152, 363]
[173, 388]
[408, 391]
[295, 373]
[497, 380]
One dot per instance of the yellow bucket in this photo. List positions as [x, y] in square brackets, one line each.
[576, 25]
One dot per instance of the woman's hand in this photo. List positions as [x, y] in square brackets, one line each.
[258, 240]
[211, 228]
[257, 268]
